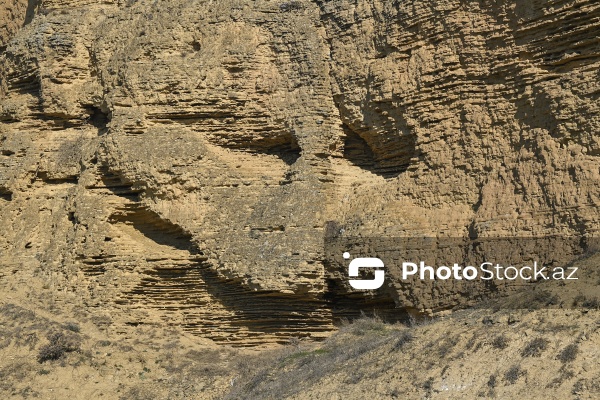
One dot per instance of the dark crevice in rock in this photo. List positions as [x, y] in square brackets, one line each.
[98, 118]
[93, 266]
[347, 303]
[289, 151]
[152, 226]
[57, 181]
[32, 5]
[24, 82]
[190, 118]
[385, 159]
[116, 185]
[5, 194]
[284, 146]
[357, 151]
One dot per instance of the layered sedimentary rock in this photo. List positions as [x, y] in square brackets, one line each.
[186, 160]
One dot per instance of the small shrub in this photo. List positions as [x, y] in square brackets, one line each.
[333, 229]
[72, 326]
[354, 377]
[564, 375]
[444, 370]
[539, 299]
[557, 328]
[414, 321]
[59, 345]
[492, 381]
[364, 325]
[447, 346]
[500, 342]
[535, 347]
[428, 384]
[290, 6]
[305, 353]
[569, 353]
[471, 342]
[402, 339]
[534, 300]
[578, 387]
[586, 302]
[513, 374]
[138, 393]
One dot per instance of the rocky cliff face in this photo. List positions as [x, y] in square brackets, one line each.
[183, 161]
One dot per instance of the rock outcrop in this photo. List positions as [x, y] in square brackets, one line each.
[184, 161]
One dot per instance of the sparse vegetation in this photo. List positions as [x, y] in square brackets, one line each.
[569, 353]
[291, 6]
[298, 367]
[513, 374]
[556, 328]
[362, 351]
[428, 384]
[531, 300]
[447, 345]
[538, 299]
[363, 326]
[59, 344]
[72, 326]
[578, 387]
[403, 339]
[492, 381]
[471, 342]
[500, 342]
[564, 375]
[586, 302]
[535, 347]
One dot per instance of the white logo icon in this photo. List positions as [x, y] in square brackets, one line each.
[369, 284]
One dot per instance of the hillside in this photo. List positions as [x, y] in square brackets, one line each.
[179, 181]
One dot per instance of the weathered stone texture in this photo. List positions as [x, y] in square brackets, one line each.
[182, 159]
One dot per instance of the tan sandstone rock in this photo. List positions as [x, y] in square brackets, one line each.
[181, 161]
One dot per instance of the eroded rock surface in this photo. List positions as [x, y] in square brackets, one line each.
[181, 161]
